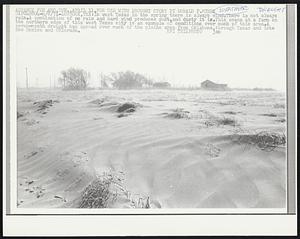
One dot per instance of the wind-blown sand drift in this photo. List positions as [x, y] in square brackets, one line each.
[151, 149]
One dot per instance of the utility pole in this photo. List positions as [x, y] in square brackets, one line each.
[50, 81]
[37, 82]
[100, 80]
[26, 78]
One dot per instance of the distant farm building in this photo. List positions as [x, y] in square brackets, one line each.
[161, 85]
[209, 85]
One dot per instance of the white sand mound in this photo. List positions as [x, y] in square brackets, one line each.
[164, 163]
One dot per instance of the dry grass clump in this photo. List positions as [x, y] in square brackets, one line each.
[264, 140]
[123, 109]
[281, 120]
[230, 112]
[217, 121]
[19, 115]
[178, 114]
[127, 107]
[279, 106]
[102, 101]
[227, 121]
[106, 189]
[122, 115]
[269, 115]
[31, 122]
[212, 150]
[44, 105]
[141, 203]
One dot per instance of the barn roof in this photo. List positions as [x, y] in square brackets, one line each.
[213, 83]
[208, 81]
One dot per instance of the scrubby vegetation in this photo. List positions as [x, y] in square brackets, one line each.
[123, 109]
[281, 120]
[127, 107]
[227, 121]
[264, 140]
[219, 121]
[44, 105]
[263, 89]
[19, 115]
[178, 114]
[270, 115]
[126, 80]
[230, 112]
[212, 150]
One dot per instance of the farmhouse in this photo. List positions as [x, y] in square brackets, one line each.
[209, 85]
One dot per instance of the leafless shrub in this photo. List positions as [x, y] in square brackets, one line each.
[106, 189]
[179, 114]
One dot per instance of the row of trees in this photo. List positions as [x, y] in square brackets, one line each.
[77, 79]
[74, 79]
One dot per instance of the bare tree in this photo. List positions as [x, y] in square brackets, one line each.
[74, 79]
[129, 80]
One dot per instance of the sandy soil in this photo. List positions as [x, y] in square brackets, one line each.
[172, 150]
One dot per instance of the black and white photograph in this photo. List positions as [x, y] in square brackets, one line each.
[151, 109]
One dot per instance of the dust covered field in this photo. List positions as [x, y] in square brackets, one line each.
[151, 149]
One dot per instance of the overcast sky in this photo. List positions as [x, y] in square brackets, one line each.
[239, 59]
